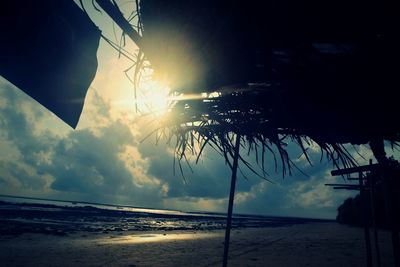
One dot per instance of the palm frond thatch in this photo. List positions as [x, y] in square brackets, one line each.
[282, 71]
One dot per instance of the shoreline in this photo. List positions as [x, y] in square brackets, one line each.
[50, 235]
[18, 218]
[312, 244]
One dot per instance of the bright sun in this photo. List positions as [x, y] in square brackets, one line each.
[154, 98]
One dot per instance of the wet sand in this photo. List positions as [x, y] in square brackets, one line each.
[311, 244]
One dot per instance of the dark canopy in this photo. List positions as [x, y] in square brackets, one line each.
[325, 69]
[48, 50]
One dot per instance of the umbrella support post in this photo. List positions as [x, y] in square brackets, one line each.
[371, 183]
[231, 198]
[365, 219]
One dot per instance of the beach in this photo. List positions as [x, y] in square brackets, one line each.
[47, 235]
[318, 244]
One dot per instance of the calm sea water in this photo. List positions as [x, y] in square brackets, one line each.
[20, 215]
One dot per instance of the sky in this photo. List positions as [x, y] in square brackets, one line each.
[106, 160]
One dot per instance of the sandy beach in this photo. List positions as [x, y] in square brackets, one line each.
[313, 244]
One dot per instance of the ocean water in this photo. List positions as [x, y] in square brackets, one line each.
[20, 215]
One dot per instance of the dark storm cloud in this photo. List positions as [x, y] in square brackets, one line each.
[83, 161]
[268, 200]
[302, 193]
[211, 177]
[298, 194]
[14, 123]
[87, 163]
[12, 172]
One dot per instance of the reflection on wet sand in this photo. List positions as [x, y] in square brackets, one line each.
[157, 237]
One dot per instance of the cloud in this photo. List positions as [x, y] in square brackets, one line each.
[209, 179]
[313, 194]
[197, 204]
[208, 186]
[86, 162]
[104, 160]
[20, 176]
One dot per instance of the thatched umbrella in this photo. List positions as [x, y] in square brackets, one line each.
[262, 72]
[48, 50]
[303, 70]
[325, 70]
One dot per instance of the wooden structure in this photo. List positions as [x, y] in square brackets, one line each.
[371, 178]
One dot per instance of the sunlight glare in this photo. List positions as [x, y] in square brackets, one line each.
[154, 99]
[156, 237]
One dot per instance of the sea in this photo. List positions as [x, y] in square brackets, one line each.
[20, 215]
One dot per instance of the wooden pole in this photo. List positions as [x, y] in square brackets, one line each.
[365, 220]
[371, 184]
[231, 198]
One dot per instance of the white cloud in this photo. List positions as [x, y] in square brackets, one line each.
[254, 191]
[137, 165]
[196, 204]
[313, 193]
